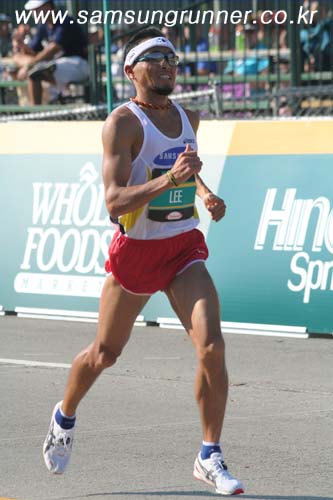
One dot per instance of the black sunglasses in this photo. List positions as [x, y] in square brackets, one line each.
[157, 57]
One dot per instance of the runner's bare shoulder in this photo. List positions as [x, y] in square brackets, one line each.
[122, 125]
[194, 119]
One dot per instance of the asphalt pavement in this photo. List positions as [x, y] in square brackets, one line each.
[138, 429]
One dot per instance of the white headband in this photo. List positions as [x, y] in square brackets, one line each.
[147, 44]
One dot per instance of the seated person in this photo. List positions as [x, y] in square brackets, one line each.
[57, 53]
[20, 49]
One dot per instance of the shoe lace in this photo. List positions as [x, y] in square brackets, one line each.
[63, 440]
[218, 465]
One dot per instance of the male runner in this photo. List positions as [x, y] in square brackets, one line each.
[150, 172]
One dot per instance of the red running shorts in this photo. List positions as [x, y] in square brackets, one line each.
[146, 266]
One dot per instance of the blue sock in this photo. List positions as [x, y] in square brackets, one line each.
[208, 448]
[63, 421]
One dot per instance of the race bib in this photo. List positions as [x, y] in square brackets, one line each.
[177, 203]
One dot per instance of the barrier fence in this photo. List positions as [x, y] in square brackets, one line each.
[271, 257]
[249, 64]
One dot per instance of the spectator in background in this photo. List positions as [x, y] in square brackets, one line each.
[249, 64]
[22, 52]
[172, 34]
[201, 45]
[5, 35]
[240, 38]
[21, 39]
[57, 53]
[317, 43]
[272, 33]
[122, 87]
[95, 35]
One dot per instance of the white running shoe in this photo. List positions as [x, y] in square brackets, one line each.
[57, 445]
[214, 471]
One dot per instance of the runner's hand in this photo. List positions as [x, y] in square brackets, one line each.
[215, 206]
[187, 164]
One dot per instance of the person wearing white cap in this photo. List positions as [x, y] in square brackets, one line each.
[35, 4]
[151, 176]
[58, 52]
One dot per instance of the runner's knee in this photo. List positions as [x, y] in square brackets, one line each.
[104, 356]
[212, 354]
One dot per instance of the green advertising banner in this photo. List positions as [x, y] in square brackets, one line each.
[270, 257]
[275, 246]
[55, 226]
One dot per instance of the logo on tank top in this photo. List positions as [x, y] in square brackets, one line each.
[168, 157]
[174, 216]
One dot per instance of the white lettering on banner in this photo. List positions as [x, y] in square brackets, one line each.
[54, 247]
[291, 223]
[316, 275]
[57, 284]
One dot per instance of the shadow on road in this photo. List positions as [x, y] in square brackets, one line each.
[193, 494]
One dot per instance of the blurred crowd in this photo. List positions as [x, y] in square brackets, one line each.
[256, 48]
[48, 58]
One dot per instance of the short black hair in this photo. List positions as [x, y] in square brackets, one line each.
[145, 33]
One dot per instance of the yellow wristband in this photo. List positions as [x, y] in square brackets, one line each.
[171, 178]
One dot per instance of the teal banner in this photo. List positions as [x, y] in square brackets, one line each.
[56, 232]
[271, 257]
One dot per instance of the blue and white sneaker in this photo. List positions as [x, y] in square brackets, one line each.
[57, 445]
[214, 472]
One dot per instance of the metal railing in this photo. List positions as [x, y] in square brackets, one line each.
[249, 65]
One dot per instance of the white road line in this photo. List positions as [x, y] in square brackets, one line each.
[26, 362]
[158, 358]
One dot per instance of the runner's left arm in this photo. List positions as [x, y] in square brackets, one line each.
[213, 203]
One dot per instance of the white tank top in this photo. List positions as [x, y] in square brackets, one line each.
[173, 212]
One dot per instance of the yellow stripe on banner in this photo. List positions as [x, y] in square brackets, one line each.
[282, 137]
[51, 138]
[214, 137]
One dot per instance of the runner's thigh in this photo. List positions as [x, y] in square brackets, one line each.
[117, 313]
[193, 296]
